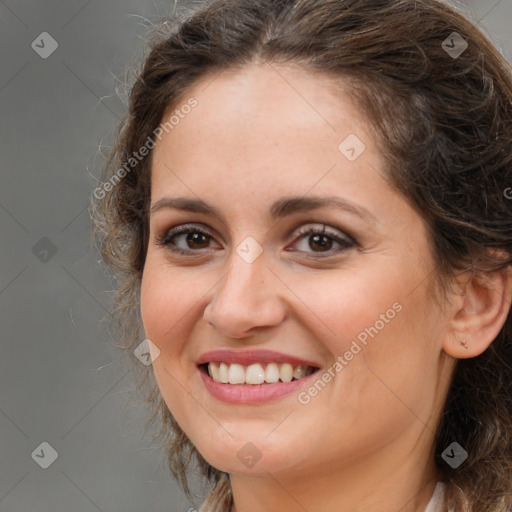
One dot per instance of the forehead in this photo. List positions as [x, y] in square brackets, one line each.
[276, 94]
[264, 122]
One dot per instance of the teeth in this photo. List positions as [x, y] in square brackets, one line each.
[236, 374]
[223, 373]
[214, 372]
[256, 373]
[271, 373]
[286, 372]
[299, 372]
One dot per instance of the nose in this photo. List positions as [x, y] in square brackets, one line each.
[248, 297]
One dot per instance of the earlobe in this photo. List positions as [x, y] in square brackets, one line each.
[480, 313]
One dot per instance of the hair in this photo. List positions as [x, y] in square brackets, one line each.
[444, 127]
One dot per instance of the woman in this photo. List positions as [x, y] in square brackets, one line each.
[307, 206]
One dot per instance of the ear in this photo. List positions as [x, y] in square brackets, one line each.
[479, 312]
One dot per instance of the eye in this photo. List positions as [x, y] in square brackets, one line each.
[190, 236]
[189, 239]
[321, 240]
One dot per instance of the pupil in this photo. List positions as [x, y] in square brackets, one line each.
[322, 240]
[194, 238]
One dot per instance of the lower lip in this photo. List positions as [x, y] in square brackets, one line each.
[249, 393]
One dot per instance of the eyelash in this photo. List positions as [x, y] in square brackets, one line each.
[346, 242]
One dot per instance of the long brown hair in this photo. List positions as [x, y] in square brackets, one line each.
[444, 124]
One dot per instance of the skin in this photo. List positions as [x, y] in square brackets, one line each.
[365, 442]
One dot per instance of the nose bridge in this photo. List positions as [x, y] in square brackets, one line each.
[244, 283]
[244, 298]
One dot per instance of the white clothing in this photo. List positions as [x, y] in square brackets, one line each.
[435, 503]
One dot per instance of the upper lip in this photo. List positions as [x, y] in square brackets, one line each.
[248, 357]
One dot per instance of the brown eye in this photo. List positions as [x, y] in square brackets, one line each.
[185, 239]
[320, 240]
[195, 240]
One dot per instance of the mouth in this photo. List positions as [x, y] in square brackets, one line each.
[256, 373]
[253, 376]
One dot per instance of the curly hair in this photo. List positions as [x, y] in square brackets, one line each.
[443, 122]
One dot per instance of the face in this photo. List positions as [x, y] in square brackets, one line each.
[259, 281]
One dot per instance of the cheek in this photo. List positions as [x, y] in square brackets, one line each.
[384, 332]
[164, 303]
[349, 304]
[167, 311]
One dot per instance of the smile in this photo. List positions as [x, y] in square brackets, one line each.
[256, 373]
[253, 376]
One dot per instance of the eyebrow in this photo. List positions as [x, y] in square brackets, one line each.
[281, 208]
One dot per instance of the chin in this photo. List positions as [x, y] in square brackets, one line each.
[254, 453]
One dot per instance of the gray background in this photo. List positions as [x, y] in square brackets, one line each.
[61, 379]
